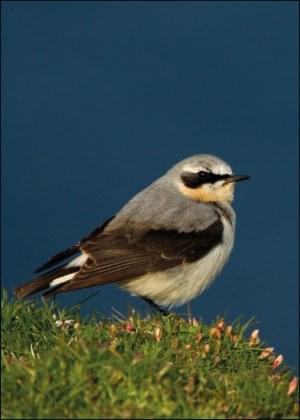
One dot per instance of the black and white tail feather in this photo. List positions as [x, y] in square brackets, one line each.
[55, 275]
[51, 279]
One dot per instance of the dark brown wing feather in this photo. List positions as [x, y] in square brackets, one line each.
[57, 258]
[116, 257]
[42, 282]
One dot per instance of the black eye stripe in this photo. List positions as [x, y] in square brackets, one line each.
[203, 175]
[191, 180]
[194, 180]
[215, 177]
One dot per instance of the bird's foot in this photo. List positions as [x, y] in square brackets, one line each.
[156, 306]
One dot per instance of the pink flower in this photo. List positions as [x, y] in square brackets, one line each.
[195, 322]
[277, 362]
[215, 332]
[157, 334]
[129, 327]
[229, 330]
[254, 338]
[293, 385]
[206, 348]
[221, 325]
[266, 352]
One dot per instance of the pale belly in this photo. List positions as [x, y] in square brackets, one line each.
[178, 285]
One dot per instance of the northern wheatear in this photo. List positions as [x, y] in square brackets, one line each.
[165, 245]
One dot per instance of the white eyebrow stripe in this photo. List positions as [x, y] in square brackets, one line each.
[219, 170]
[193, 169]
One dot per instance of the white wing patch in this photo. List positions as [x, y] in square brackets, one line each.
[62, 279]
[78, 261]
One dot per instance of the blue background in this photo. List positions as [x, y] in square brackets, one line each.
[101, 98]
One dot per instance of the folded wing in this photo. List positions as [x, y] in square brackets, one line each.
[115, 257]
[119, 255]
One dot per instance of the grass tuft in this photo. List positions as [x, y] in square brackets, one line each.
[57, 365]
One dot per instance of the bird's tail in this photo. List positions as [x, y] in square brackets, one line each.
[52, 279]
[46, 281]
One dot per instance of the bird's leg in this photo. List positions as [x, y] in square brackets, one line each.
[156, 306]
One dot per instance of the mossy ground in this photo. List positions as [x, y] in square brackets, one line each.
[57, 365]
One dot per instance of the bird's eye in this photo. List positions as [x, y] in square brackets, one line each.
[203, 175]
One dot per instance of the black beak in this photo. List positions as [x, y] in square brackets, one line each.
[236, 178]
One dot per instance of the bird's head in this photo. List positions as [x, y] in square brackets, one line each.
[205, 178]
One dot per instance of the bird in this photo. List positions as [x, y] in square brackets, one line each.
[166, 245]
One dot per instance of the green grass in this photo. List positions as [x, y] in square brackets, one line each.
[159, 367]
